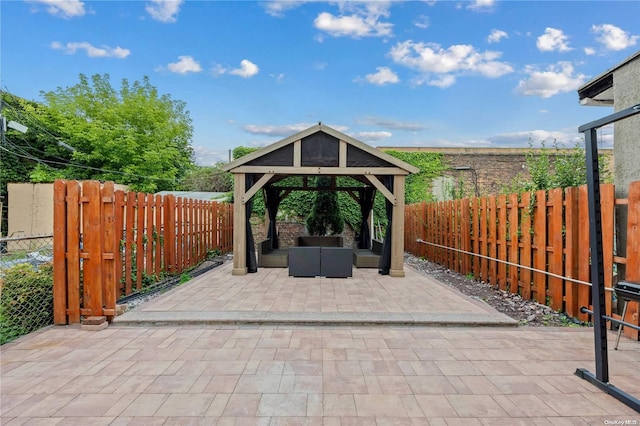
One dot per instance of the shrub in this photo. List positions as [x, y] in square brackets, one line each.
[325, 215]
[26, 300]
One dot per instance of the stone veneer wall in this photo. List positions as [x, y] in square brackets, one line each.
[289, 230]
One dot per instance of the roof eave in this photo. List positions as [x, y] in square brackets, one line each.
[591, 93]
[270, 148]
[328, 130]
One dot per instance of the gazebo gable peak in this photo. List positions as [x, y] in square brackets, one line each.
[288, 143]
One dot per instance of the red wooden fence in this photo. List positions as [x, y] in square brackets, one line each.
[545, 230]
[109, 244]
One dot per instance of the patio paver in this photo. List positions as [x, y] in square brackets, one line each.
[272, 375]
[271, 296]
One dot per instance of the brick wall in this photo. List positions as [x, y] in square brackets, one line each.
[289, 230]
[494, 168]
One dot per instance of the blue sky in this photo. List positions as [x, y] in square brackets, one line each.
[479, 73]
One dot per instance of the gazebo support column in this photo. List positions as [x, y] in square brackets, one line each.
[397, 229]
[239, 226]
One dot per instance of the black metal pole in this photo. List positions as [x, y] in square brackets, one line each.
[601, 378]
[597, 265]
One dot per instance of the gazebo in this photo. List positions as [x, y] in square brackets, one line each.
[319, 150]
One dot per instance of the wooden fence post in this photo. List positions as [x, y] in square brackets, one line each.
[109, 250]
[633, 256]
[158, 236]
[475, 236]
[514, 246]
[502, 238]
[525, 239]
[120, 241]
[450, 242]
[556, 264]
[484, 241]
[584, 268]
[540, 246]
[139, 239]
[493, 241]
[180, 219]
[572, 242]
[465, 232]
[91, 248]
[169, 233]
[456, 236]
[59, 252]
[148, 235]
[608, 201]
[73, 251]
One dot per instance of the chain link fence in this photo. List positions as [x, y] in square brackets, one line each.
[26, 285]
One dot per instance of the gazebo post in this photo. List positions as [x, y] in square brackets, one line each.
[397, 229]
[239, 226]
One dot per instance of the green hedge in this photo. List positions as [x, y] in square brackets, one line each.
[26, 300]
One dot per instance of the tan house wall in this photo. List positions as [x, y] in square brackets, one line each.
[30, 208]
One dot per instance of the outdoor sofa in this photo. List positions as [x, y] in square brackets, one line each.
[271, 258]
[368, 258]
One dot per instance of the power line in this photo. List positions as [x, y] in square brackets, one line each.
[79, 166]
[37, 124]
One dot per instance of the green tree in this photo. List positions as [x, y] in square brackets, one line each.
[241, 151]
[133, 136]
[203, 178]
[325, 215]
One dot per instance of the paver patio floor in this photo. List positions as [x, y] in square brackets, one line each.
[272, 296]
[239, 374]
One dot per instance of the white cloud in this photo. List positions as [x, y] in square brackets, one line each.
[496, 36]
[283, 130]
[384, 75]
[277, 8]
[356, 19]
[431, 58]
[589, 51]
[92, 51]
[567, 138]
[422, 22]
[62, 8]
[371, 136]
[391, 124]
[185, 65]
[443, 82]
[208, 157]
[247, 69]
[218, 70]
[614, 38]
[279, 78]
[553, 39]
[558, 78]
[480, 5]
[164, 10]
